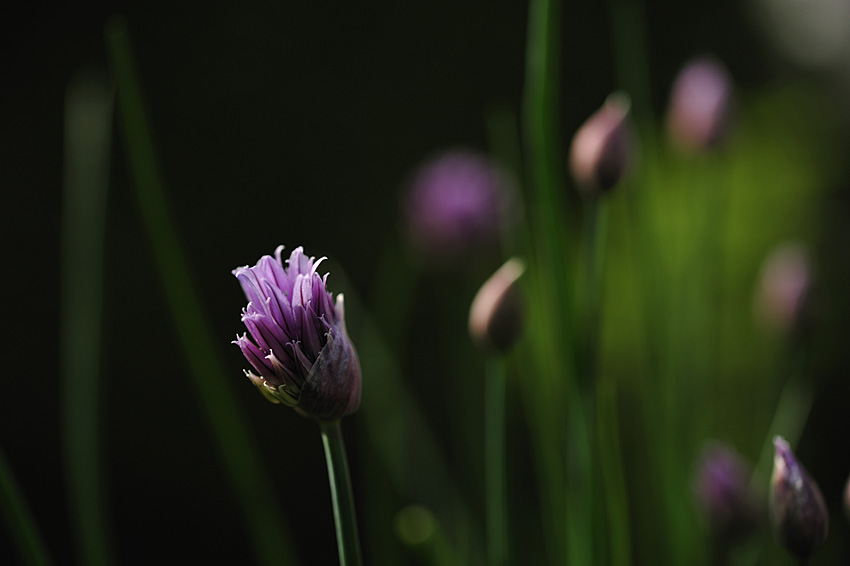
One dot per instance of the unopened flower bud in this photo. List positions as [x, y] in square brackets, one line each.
[699, 111]
[496, 315]
[299, 345]
[602, 147]
[783, 287]
[722, 492]
[797, 510]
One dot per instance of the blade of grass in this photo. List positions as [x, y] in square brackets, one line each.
[388, 412]
[613, 476]
[19, 519]
[551, 282]
[239, 455]
[88, 131]
[495, 468]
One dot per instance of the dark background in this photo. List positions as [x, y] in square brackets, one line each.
[276, 122]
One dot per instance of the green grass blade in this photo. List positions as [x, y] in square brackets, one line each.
[88, 131]
[239, 455]
[19, 519]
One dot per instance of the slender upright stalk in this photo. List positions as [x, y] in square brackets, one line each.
[347, 539]
[558, 398]
[595, 232]
[88, 134]
[613, 475]
[19, 519]
[494, 471]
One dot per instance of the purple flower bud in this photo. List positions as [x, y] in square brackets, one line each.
[722, 492]
[602, 147]
[783, 287]
[700, 106]
[299, 346]
[495, 318]
[797, 511]
[456, 201]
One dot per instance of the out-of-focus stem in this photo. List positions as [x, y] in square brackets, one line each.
[88, 132]
[552, 282]
[613, 476]
[19, 519]
[595, 232]
[494, 430]
[342, 496]
[239, 456]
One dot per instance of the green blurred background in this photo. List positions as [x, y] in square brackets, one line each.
[298, 123]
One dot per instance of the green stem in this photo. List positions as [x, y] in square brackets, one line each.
[594, 237]
[551, 281]
[88, 131]
[347, 540]
[595, 232]
[19, 519]
[494, 431]
[613, 476]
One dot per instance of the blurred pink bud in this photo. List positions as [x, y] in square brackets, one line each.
[495, 318]
[783, 286]
[602, 147]
[700, 105]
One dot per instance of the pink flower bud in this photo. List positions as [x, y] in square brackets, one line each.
[602, 147]
[783, 287]
[698, 115]
[495, 318]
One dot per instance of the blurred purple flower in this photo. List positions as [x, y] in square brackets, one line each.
[797, 510]
[845, 500]
[602, 147]
[456, 201]
[700, 105]
[299, 345]
[722, 492]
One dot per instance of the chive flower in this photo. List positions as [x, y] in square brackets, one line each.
[602, 147]
[797, 510]
[298, 345]
[722, 491]
[456, 202]
[698, 115]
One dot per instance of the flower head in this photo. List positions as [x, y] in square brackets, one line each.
[723, 495]
[602, 147]
[298, 343]
[700, 105]
[797, 511]
[455, 202]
